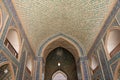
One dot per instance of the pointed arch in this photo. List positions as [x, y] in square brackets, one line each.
[112, 42]
[59, 75]
[13, 42]
[14, 38]
[61, 40]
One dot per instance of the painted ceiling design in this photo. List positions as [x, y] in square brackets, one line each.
[80, 19]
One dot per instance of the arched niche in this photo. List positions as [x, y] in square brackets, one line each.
[93, 63]
[6, 71]
[59, 75]
[13, 42]
[113, 41]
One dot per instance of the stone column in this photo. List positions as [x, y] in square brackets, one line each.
[39, 68]
[21, 69]
[42, 69]
[84, 68]
[79, 73]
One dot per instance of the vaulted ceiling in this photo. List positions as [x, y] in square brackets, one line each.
[80, 19]
[67, 64]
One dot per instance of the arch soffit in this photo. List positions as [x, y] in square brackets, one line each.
[64, 38]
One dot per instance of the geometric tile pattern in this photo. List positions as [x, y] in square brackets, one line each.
[80, 19]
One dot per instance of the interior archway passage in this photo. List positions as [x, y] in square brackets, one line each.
[60, 59]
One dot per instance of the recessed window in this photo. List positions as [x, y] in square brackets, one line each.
[12, 42]
[113, 42]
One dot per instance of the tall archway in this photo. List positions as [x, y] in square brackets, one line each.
[61, 40]
[70, 44]
[60, 59]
